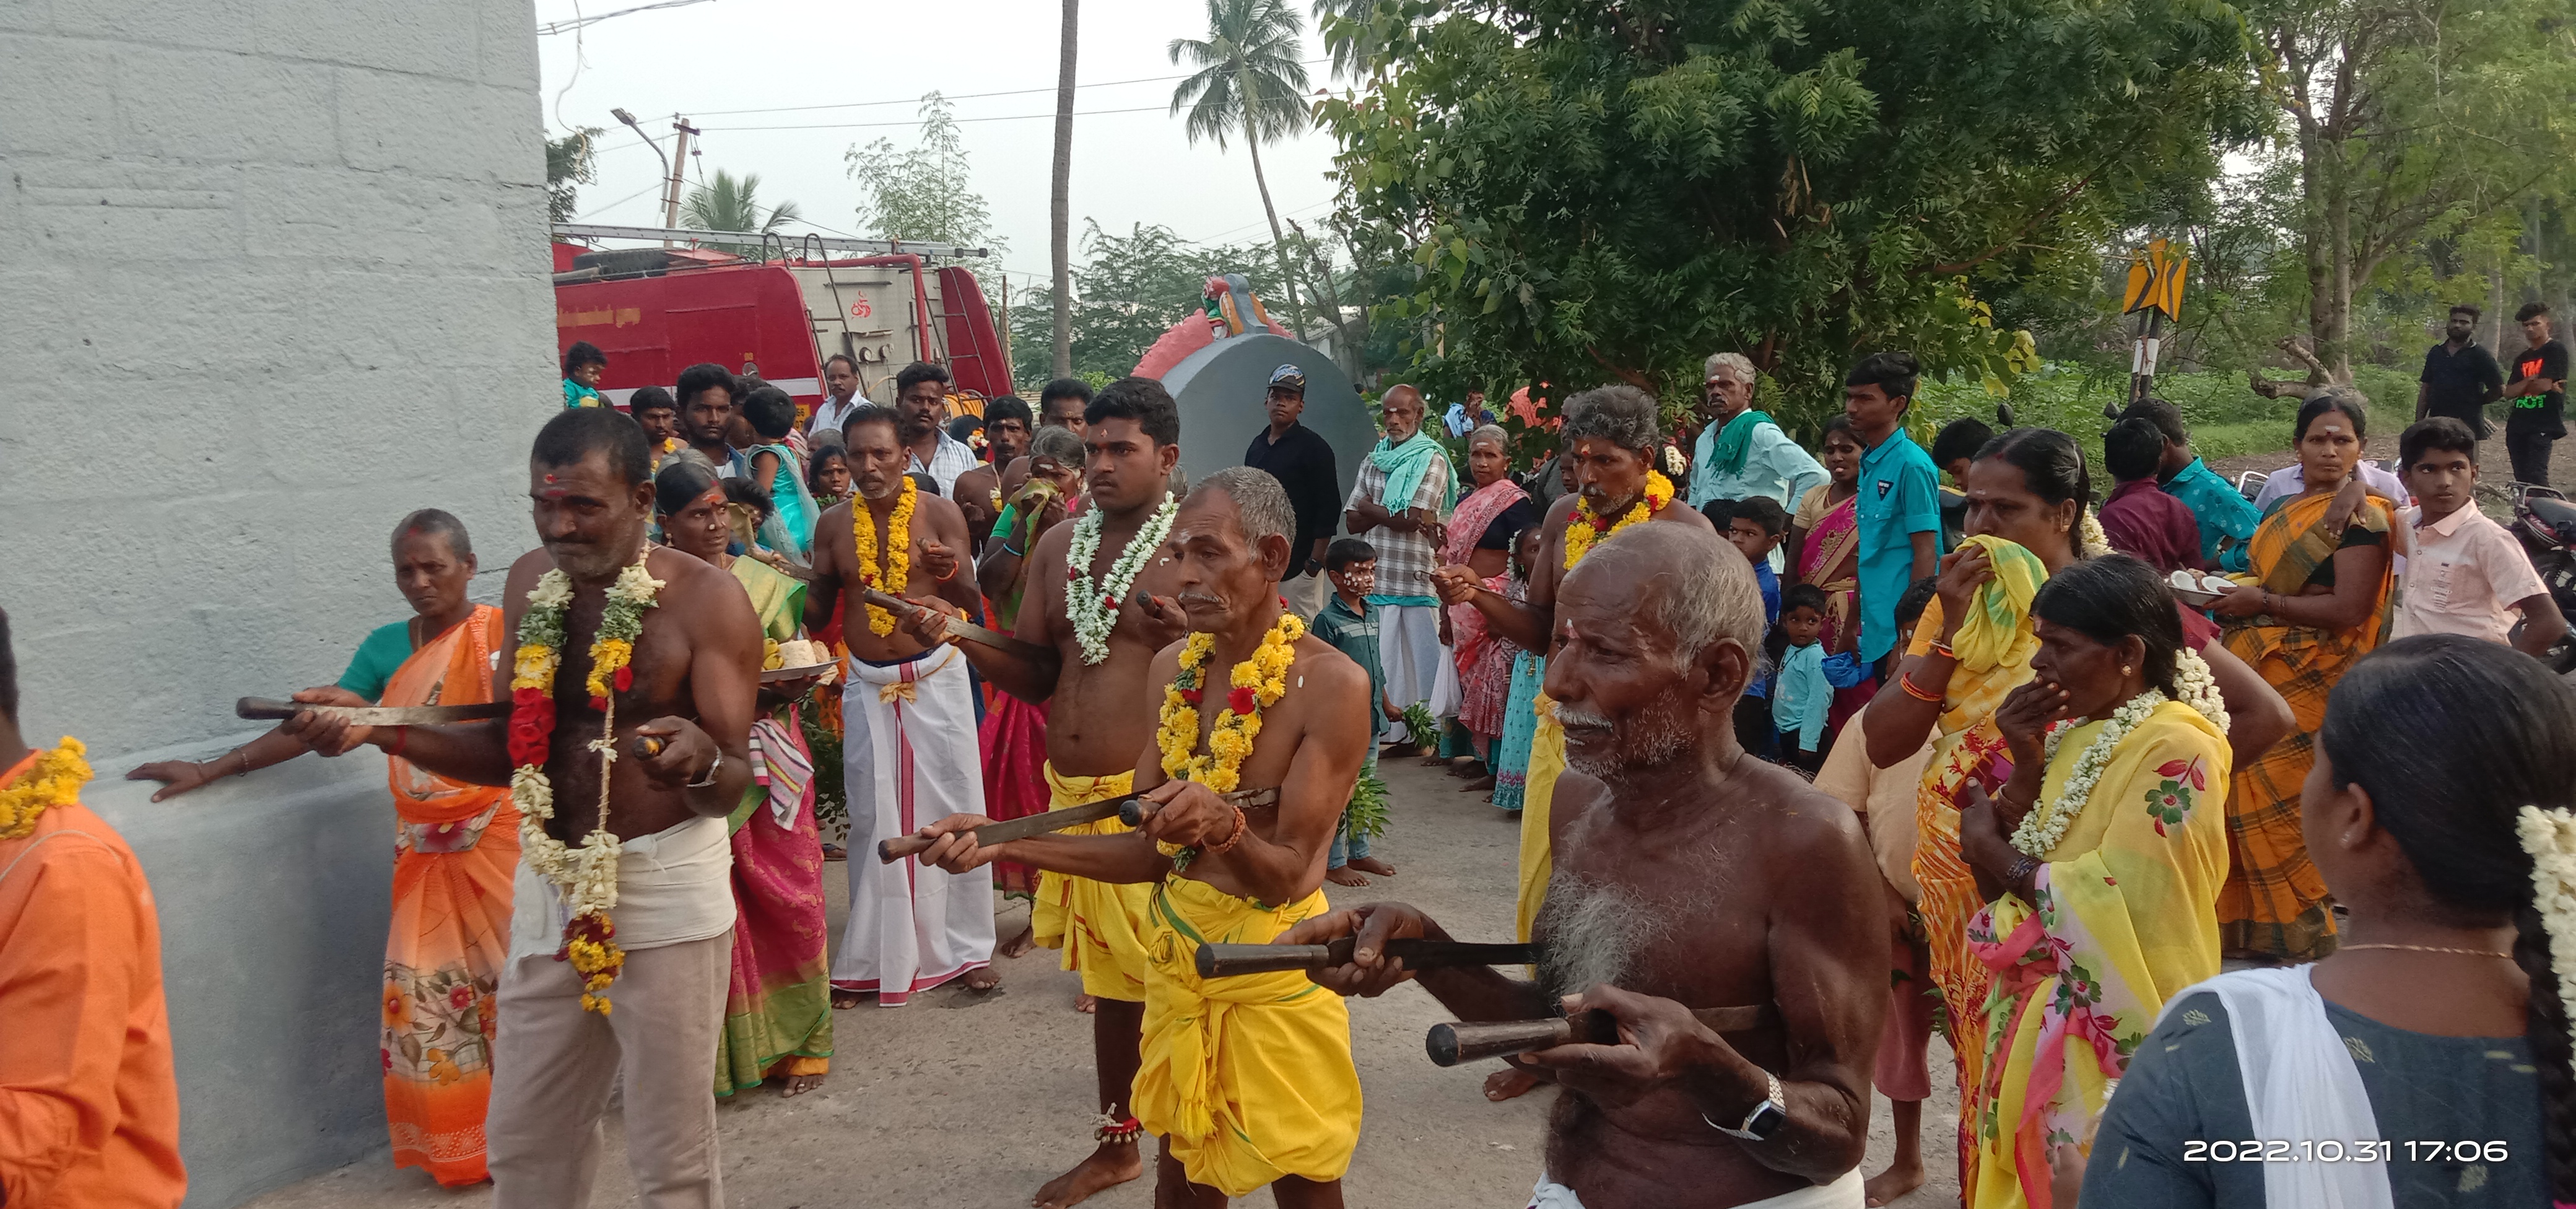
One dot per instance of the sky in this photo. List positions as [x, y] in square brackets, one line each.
[872, 61]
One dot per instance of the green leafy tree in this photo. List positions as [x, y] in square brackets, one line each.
[1590, 192]
[925, 192]
[730, 203]
[570, 161]
[2405, 123]
[1250, 84]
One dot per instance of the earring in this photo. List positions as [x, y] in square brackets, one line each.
[2125, 669]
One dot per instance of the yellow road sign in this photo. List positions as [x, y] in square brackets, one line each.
[2156, 275]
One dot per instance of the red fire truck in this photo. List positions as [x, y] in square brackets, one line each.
[774, 307]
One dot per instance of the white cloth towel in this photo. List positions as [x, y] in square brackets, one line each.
[2300, 1086]
[673, 886]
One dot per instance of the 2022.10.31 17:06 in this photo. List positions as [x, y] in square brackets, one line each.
[2332, 1150]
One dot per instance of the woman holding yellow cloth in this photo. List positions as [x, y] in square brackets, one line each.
[2103, 854]
[2028, 494]
[2321, 559]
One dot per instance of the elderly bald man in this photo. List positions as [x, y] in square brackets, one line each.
[1687, 877]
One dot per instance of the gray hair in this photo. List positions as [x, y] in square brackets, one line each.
[1260, 504]
[1622, 415]
[1698, 588]
[1490, 432]
[1056, 442]
[1738, 363]
[435, 523]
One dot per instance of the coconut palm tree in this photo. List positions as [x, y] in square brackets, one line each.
[1251, 82]
[1060, 198]
[730, 204]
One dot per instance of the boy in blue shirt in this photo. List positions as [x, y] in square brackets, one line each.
[1898, 509]
[2226, 518]
[1801, 694]
[1349, 623]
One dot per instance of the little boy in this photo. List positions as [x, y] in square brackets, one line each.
[1349, 622]
[1884, 798]
[2138, 516]
[1800, 694]
[1953, 448]
[2465, 575]
[1754, 525]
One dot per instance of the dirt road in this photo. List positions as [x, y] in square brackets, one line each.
[964, 1100]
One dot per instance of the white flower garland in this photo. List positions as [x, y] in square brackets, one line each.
[2046, 824]
[1094, 610]
[587, 876]
[2550, 837]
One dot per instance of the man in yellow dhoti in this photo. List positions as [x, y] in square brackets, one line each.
[1247, 1080]
[1090, 600]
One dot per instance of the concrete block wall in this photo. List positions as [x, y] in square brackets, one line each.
[273, 273]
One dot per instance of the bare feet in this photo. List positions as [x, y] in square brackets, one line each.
[1341, 875]
[798, 1085]
[1466, 766]
[835, 852]
[1370, 864]
[1480, 783]
[845, 1000]
[1113, 1164]
[1507, 1083]
[1431, 755]
[1892, 1183]
[1086, 1004]
[1020, 943]
[983, 980]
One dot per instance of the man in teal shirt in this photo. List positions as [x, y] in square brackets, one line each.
[2226, 517]
[1899, 506]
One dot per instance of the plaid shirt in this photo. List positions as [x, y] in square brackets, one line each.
[1404, 560]
[952, 458]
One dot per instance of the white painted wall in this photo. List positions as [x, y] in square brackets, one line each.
[272, 274]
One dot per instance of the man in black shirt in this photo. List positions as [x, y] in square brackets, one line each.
[1303, 463]
[2460, 377]
[2539, 394]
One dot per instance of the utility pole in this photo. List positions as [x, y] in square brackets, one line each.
[629, 119]
[679, 162]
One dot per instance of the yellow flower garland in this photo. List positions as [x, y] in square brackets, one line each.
[897, 569]
[1584, 528]
[53, 779]
[1258, 683]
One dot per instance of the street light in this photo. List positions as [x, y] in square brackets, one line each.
[629, 119]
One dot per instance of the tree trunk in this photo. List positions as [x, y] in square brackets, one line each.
[1059, 200]
[1278, 241]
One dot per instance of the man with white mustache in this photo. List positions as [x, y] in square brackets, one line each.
[1686, 876]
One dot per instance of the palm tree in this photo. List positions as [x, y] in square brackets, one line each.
[734, 205]
[1060, 198]
[1250, 81]
[1354, 49]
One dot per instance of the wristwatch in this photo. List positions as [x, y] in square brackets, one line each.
[707, 779]
[1765, 1120]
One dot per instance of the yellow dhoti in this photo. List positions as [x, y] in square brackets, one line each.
[1538, 860]
[1247, 1079]
[1099, 925]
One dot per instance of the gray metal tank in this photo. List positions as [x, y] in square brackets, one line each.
[1220, 390]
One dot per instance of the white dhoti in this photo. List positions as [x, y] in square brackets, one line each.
[910, 757]
[1409, 651]
[1844, 1193]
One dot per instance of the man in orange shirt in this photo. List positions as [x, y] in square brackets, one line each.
[89, 1108]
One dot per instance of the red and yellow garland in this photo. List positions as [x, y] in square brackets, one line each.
[897, 569]
[1586, 528]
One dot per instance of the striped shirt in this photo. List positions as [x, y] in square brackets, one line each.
[952, 458]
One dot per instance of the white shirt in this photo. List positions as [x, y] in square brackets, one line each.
[2288, 481]
[952, 458]
[2463, 578]
[828, 414]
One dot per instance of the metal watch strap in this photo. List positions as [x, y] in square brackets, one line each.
[707, 780]
[1773, 1098]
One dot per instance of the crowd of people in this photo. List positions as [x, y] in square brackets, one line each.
[2287, 856]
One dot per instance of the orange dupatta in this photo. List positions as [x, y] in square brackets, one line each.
[455, 668]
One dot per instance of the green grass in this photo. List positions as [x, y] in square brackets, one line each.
[2227, 418]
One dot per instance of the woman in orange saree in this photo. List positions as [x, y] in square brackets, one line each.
[2321, 603]
[456, 849]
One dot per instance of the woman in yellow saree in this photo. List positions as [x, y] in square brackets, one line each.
[778, 1013]
[2104, 852]
[2322, 559]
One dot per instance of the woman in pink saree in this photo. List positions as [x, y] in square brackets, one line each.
[1824, 550]
[1479, 537]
